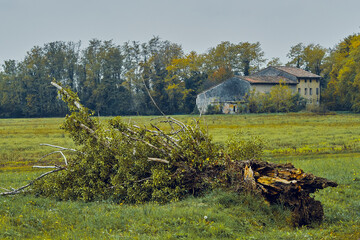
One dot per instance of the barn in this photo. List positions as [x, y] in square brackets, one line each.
[229, 96]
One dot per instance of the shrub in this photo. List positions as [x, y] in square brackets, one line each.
[214, 109]
[239, 148]
[279, 99]
[317, 108]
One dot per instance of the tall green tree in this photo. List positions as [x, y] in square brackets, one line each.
[39, 95]
[313, 56]
[62, 60]
[274, 62]
[343, 91]
[223, 56]
[158, 55]
[310, 57]
[251, 57]
[185, 77]
[11, 91]
[100, 80]
[296, 55]
[242, 58]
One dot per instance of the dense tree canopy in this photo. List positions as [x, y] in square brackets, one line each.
[127, 79]
[343, 90]
[119, 80]
[310, 57]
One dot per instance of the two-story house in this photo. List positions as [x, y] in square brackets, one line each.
[234, 90]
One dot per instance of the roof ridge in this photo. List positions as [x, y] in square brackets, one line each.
[308, 73]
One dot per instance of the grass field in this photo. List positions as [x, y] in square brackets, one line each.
[325, 145]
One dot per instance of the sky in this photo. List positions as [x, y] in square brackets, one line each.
[196, 25]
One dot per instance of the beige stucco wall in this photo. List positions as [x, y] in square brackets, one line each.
[312, 95]
[265, 88]
[307, 89]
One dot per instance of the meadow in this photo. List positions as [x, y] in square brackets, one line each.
[325, 145]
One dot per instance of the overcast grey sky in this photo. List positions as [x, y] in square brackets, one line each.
[195, 24]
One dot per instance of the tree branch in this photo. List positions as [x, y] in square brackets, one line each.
[62, 148]
[143, 141]
[60, 88]
[20, 189]
[66, 163]
[45, 166]
[152, 99]
[158, 160]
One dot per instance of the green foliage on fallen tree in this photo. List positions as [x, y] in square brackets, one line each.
[124, 162]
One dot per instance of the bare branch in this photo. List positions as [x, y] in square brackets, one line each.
[62, 148]
[147, 90]
[143, 141]
[5, 189]
[178, 122]
[147, 130]
[166, 136]
[182, 126]
[92, 132]
[80, 107]
[158, 160]
[20, 189]
[77, 104]
[45, 166]
[66, 163]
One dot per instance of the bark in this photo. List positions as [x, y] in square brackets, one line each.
[283, 184]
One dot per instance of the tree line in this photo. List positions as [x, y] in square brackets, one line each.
[116, 79]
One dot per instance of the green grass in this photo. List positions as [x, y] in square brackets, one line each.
[227, 216]
[327, 146]
[284, 134]
[21, 138]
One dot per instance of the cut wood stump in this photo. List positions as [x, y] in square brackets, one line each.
[283, 184]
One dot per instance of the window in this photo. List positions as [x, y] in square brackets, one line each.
[299, 90]
[317, 91]
[317, 80]
[310, 91]
[305, 80]
[305, 91]
[310, 80]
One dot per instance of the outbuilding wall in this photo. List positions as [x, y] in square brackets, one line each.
[233, 89]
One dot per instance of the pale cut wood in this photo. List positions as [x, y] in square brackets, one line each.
[158, 160]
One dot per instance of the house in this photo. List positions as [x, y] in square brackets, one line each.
[228, 95]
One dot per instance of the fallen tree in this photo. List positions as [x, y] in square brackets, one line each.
[129, 163]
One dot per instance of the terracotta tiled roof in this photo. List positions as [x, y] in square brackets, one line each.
[268, 80]
[297, 72]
